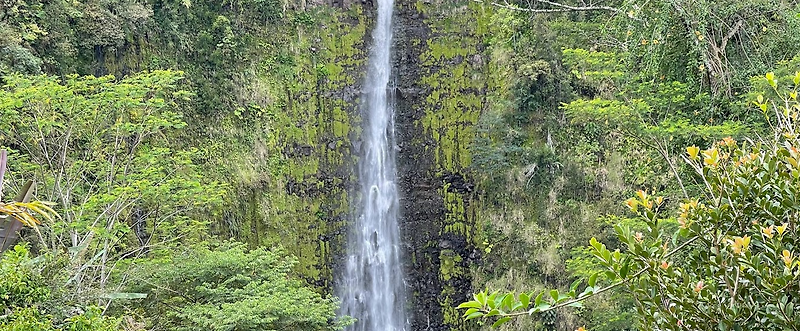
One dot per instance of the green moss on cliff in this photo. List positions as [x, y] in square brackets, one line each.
[453, 69]
[305, 202]
[453, 65]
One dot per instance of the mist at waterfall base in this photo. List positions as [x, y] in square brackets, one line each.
[371, 287]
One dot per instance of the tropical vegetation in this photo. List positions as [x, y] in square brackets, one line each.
[183, 165]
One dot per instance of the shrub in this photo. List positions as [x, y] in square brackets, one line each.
[733, 263]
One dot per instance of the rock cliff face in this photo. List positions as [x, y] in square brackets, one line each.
[442, 82]
[442, 85]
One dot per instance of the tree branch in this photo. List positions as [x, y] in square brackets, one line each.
[730, 35]
[599, 291]
[560, 7]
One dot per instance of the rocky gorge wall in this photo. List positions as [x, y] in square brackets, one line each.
[442, 86]
[501, 187]
[442, 82]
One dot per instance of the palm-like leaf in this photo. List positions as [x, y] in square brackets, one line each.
[20, 211]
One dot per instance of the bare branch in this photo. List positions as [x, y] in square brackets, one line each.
[559, 7]
[730, 35]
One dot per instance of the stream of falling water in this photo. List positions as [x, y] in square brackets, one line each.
[372, 287]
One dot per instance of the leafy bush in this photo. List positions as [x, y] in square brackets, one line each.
[20, 284]
[233, 288]
[26, 301]
[733, 263]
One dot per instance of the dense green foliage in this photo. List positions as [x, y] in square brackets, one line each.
[600, 104]
[228, 287]
[731, 262]
[143, 163]
[30, 305]
[101, 151]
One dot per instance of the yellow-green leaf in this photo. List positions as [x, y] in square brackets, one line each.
[501, 322]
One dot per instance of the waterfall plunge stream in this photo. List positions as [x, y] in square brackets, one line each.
[372, 288]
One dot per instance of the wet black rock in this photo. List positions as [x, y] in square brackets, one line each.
[457, 183]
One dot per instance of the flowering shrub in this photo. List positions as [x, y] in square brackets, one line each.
[733, 263]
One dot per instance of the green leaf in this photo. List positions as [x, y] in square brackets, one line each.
[474, 315]
[595, 243]
[470, 311]
[498, 301]
[525, 300]
[554, 294]
[576, 304]
[606, 255]
[508, 301]
[574, 285]
[626, 266]
[501, 322]
[481, 297]
[771, 79]
[587, 291]
[564, 297]
[470, 304]
[593, 279]
[491, 300]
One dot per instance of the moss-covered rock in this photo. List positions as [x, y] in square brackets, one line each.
[442, 68]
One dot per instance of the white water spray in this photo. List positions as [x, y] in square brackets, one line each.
[372, 288]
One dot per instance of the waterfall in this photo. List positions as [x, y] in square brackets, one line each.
[372, 286]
